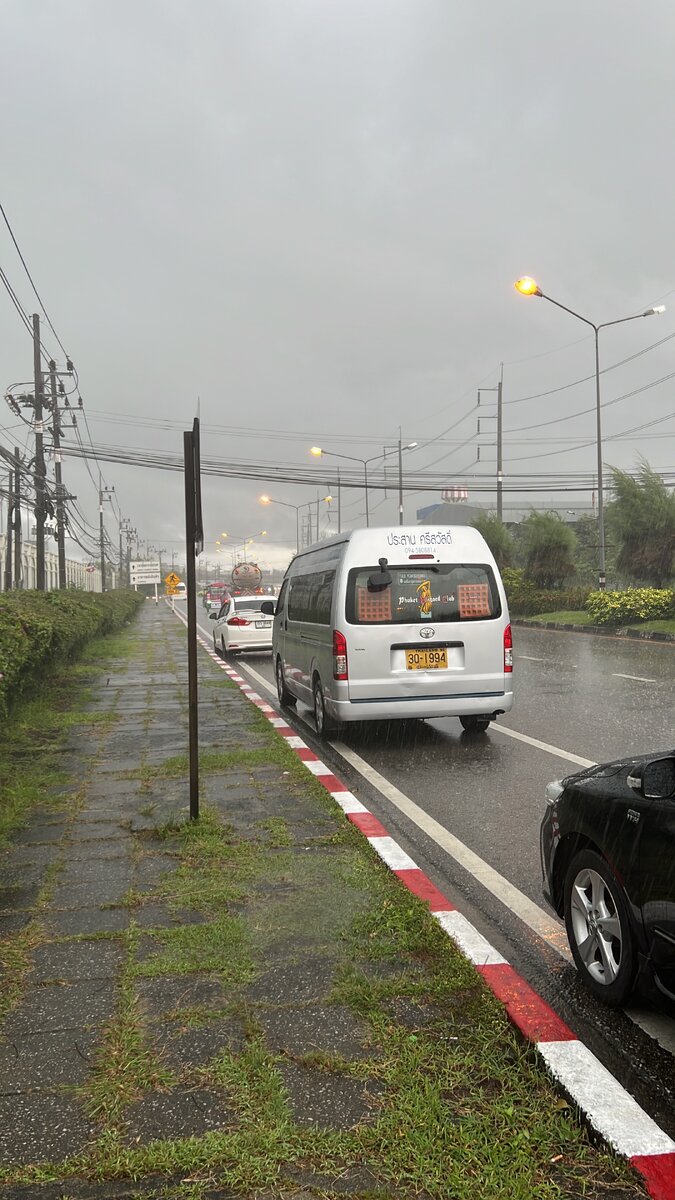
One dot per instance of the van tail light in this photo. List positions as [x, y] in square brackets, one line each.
[340, 670]
[237, 621]
[508, 649]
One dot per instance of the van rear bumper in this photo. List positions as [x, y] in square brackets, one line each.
[470, 704]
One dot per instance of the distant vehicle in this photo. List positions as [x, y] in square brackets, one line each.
[181, 590]
[608, 861]
[240, 626]
[382, 624]
[215, 594]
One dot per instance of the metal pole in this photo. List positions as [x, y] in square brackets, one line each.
[601, 510]
[56, 435]
[101, 539]
[18, 563]
[39, 462]
[190, 581]
[8, 543]
[400, 479]
[365, 479]
[317, 516]
[121, 556]
[297, 529]
[499, 441]
[339, 502]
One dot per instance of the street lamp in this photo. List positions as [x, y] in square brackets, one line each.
[317, 450]
[529, 287]
[297, 507]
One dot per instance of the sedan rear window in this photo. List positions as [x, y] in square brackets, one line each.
[439, 592]
[248, 605]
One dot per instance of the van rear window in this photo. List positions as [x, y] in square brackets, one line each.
[438, 592]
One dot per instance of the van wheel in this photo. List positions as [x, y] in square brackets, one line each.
[325, 726]
[286, 700]
[475, 724]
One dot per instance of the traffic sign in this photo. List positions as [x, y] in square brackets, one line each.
[144, 571]
[172, 579]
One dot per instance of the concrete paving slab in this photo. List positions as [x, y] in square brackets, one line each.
[185, 1048]
[39, 834]
[96, 831]
[76, 960]
[88, 895]
[12, 898]
[293, 983]
[46, 1060]
[305, 1029]
[74, 922]
[328, 1100]
[172, 993]
[52, 1007]
[109, 871]
[178, 1114]
[14, 922]
[39, 1127]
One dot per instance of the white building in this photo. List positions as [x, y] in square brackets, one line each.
[78, 574]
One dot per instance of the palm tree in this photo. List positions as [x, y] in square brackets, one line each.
[642, 518]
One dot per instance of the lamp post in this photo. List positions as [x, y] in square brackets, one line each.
[529, 287]
[318, 451]
[401, 448]
[297, 507]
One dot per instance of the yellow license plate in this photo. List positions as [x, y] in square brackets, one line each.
[427, 659]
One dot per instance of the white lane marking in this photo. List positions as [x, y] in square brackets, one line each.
[612, 1109]
[530, 657]
[528, 912]
[637, 678]
[658, 1026]
[472, 943]
[530, 741]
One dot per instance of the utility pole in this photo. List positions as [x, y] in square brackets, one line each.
[18, 567]
[500, 387]
[39, 461]
[104, 494]
[400, 477]
[56, 435]
[8, 542]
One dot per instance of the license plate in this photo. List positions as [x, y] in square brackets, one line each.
[426, 660]
[262, 624]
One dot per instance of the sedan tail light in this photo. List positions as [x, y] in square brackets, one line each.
[237, 621]
[508, 649]
[340, 670]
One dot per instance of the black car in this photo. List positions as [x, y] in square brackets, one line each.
[608, 861]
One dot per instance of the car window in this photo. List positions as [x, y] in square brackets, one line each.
[438, 592]
[281, 602]
[249, 604]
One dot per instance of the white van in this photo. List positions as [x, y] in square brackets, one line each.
[384, 623]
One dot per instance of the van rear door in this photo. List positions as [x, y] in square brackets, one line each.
[436, 630]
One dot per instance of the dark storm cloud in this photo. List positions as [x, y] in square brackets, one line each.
[310, 215]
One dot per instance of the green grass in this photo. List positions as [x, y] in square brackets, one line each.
[665, 626]
[460, 1109]
[563, 618]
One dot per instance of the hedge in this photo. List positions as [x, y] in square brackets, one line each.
[527, 600]
[40, 629]
[631, 606]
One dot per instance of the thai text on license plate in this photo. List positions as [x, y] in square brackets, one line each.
[426, 659]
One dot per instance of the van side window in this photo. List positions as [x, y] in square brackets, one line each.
[281, 599]
[310, 597]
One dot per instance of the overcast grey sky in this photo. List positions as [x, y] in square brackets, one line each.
[310, 214]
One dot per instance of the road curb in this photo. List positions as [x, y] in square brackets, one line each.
[645, 635]
[603, 1102]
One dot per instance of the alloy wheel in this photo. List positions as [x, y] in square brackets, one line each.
[596, 926]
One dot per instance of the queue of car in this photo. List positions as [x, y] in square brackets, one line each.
[385, 624]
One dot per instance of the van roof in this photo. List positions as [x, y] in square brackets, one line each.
[405, 540]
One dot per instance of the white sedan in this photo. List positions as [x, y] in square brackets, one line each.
[240, 626]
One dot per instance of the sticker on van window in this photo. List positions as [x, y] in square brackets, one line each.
[424, 598]
[474, 600]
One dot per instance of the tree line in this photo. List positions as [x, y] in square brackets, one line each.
[639, 538]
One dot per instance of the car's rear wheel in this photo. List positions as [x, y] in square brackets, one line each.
[598, 928]
[475, 724]
[286, 699]
[216, 647]
[325, 725]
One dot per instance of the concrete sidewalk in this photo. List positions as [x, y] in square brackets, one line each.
[169, 983]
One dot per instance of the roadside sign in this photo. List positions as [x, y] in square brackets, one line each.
[172, 579]
[144, 571]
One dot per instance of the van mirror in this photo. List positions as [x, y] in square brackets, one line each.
[380, 579]
[654, 780]
[267, 607]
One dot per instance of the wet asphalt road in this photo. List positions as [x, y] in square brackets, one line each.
[593, 697]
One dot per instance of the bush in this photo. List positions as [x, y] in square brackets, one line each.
[39, 629]
[635, 604]
[527, 600]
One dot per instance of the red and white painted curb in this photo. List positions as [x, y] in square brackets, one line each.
[606, 1105]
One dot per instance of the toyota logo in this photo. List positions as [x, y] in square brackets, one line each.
[426, 631]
